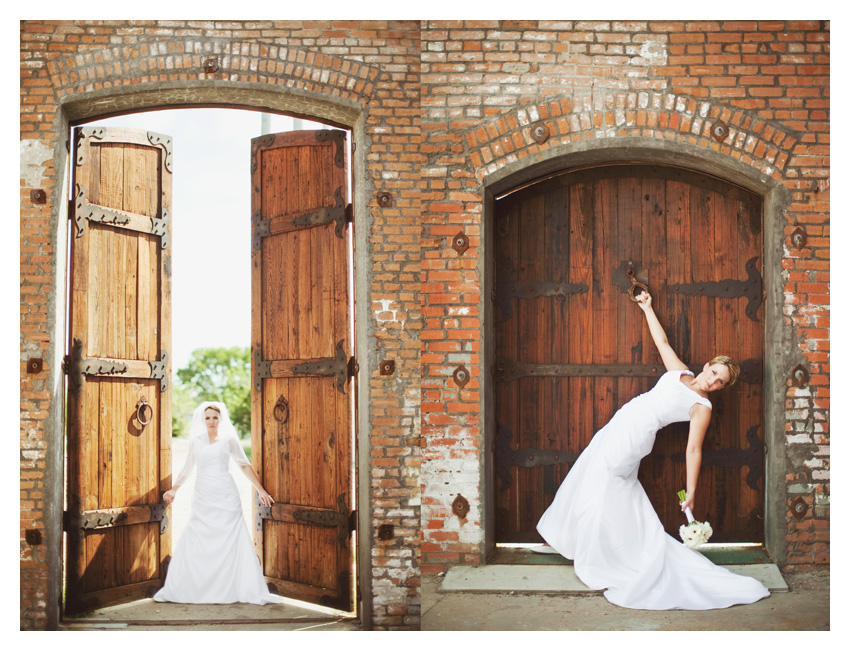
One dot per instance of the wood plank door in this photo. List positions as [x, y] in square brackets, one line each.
[119, 401]
[571, 347]
[301, 418]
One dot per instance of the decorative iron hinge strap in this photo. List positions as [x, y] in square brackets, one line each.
[537, 288]
[262, 369]
[131, 137]
[266, 140]
[104, 518]
[341, 519]
[752, 457]
[260, 228]
[751, 289]
[322, 135]
[508, 370]
[525, 289]
[506, 458]
[83, 210]
[78, 368]
[340, 366]
[339, 213]
[80, 135]
[338, 138]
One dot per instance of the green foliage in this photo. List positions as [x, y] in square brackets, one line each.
[222, 374]
[183, 403]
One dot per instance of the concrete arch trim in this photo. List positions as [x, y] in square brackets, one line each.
[88, 104]
[779, 358]
[265, 63]
[187, 94]
[661, 116]
[631, 149]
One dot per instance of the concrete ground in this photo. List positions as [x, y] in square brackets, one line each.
[150, 615]
[803, 607]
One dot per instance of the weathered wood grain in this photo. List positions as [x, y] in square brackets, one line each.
[120, 310]
[581, 227]
[300, 276]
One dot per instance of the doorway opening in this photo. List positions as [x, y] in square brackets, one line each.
[210, 277]
[569, 348]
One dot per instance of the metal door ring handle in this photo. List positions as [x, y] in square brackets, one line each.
[635, 285]
[281, 407]
[140, 407]
[640, 288]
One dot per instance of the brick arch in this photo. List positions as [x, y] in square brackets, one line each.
[239, 63]
[264, 76]
[661, 116]
[656, 128]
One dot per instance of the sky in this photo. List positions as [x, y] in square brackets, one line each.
[210, 220]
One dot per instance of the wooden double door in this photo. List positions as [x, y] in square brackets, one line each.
[571, 347]
[118, 534]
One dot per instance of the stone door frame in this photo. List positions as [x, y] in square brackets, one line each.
[778, 360]
[86, 106]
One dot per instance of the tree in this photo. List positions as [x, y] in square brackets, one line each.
[222, 374]
[183, 403]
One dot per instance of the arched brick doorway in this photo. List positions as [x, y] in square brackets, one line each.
[589, 162]
[178, 95]
[571, 347]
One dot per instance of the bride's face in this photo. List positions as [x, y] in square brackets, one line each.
[714, 377]
[211, 418]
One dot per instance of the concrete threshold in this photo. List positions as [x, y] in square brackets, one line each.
[147, 614]
[553, 579]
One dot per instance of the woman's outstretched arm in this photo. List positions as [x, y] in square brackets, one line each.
[188, 466]
[668, 355]
[240, 458]
[265, 498]
[700, 416]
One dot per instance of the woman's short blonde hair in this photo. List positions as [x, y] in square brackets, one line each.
[731, 364]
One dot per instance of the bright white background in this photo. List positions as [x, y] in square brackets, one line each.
[210, 220]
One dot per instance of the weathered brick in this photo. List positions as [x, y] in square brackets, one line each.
[731, 66]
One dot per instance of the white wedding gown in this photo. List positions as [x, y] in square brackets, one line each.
[215, 561]
[602, 518]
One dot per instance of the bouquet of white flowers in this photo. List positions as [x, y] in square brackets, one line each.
[694, 533]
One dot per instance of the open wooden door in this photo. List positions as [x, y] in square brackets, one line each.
[301, 415]
[119, 405]
[571, 348]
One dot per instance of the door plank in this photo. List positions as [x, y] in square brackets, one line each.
[117, 311]
[301, 311]
[679, 226]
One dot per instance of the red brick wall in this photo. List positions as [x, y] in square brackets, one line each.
[485, 82]
[482, 84]
[370, 66]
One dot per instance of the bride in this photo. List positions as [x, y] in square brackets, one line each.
[214, 561]
[602, 518]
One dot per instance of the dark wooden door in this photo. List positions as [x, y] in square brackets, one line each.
[571, 347]
[301, 341]
[119, 405]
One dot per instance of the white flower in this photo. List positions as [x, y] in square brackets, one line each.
[695, 533]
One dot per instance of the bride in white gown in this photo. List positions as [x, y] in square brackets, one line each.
[215, 561]
[602, 518]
